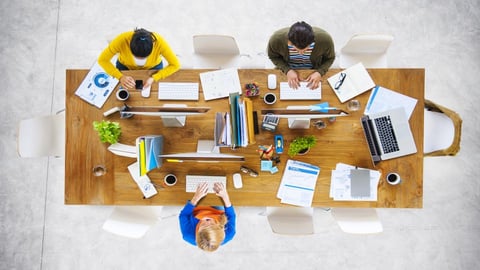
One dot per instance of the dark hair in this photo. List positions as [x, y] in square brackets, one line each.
[142, 42]
[301, 35]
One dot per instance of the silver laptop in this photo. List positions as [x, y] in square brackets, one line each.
[388, 134]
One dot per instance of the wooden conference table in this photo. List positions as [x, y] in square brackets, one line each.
[342, 141]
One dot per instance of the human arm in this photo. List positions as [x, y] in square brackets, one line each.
[293, 79]
[230, 230]
[323, 53]
[188, 223]
[118, 45]
[314, 80]
[277, 50]
[230, 227]
[162, 48]
[221, 192]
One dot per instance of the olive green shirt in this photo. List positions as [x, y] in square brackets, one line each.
[322, 57]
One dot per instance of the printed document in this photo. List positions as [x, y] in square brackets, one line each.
[341, 184]
[97, 86]
[383, 99]
[298, 183]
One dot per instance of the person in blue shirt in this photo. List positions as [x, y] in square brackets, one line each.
[205, 226]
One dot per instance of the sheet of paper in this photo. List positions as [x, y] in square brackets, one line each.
[220, 83]
[143, 182]
[356, 82]
[340, 186]
[97, 86]
[383, 99]
[298, 183]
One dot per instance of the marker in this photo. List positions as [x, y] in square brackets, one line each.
[174, 160]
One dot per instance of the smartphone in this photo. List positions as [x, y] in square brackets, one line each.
[138, 84]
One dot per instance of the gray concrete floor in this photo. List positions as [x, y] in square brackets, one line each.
[41, 39]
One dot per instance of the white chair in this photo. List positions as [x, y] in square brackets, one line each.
[132, 221]
[370, 49]
[215, 51]
[42, 136]
[291, 220]
[442, 130]
[357, 220]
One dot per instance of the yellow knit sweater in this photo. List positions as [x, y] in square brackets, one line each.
[121, 46]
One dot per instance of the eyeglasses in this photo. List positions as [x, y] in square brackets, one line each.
[249, 171]
[340, 81]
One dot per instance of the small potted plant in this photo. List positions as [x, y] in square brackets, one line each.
[107, 131]
[301, 145]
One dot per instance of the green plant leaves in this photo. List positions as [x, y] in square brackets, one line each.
[107, 131]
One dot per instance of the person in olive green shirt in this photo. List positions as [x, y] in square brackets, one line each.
[139, 49]
[302, 47]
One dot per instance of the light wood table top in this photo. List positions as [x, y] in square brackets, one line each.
[342, 141]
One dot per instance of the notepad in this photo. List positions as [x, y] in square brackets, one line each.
[356, 82]
[220, 83]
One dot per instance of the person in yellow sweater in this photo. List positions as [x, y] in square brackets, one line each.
[139, 49]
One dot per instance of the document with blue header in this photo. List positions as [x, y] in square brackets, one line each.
[298, 183]
[382, 99]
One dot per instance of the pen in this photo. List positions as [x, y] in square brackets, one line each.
[174, 160]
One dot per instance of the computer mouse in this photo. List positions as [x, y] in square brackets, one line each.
[237, 180]
[146, 91]
[272, 81]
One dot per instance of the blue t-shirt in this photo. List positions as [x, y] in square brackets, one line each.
[188, 223]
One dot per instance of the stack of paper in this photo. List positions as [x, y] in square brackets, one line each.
[149, 149]
[298, 183]
[343, 189]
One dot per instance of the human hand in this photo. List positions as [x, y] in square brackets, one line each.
[148, 83]
[221, 192]
[128, 82]
[202, 191]
[293, 79]
[314, 80]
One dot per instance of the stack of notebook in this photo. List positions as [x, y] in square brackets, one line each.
[149, 149]
[236, 127]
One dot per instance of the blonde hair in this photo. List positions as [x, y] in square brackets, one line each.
[211, 237]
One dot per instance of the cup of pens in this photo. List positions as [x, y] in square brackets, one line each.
[252, 89]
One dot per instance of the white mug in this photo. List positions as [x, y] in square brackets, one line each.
[170, 179]
[270, 98]
[122, 94]
[393, 179]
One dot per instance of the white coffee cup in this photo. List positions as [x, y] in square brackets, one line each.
[270, 98]
[170, 179]
[393, 179]
[122, 94]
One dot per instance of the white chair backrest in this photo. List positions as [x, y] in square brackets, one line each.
[368, 44]
[439, 131]
[215, 44]
[131, 221]
[291, 220]
[370, 49]
[357, 220]
[42, 136]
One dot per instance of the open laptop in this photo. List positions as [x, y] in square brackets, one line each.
[388, 134]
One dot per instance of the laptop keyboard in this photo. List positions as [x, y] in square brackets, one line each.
[386, 134]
